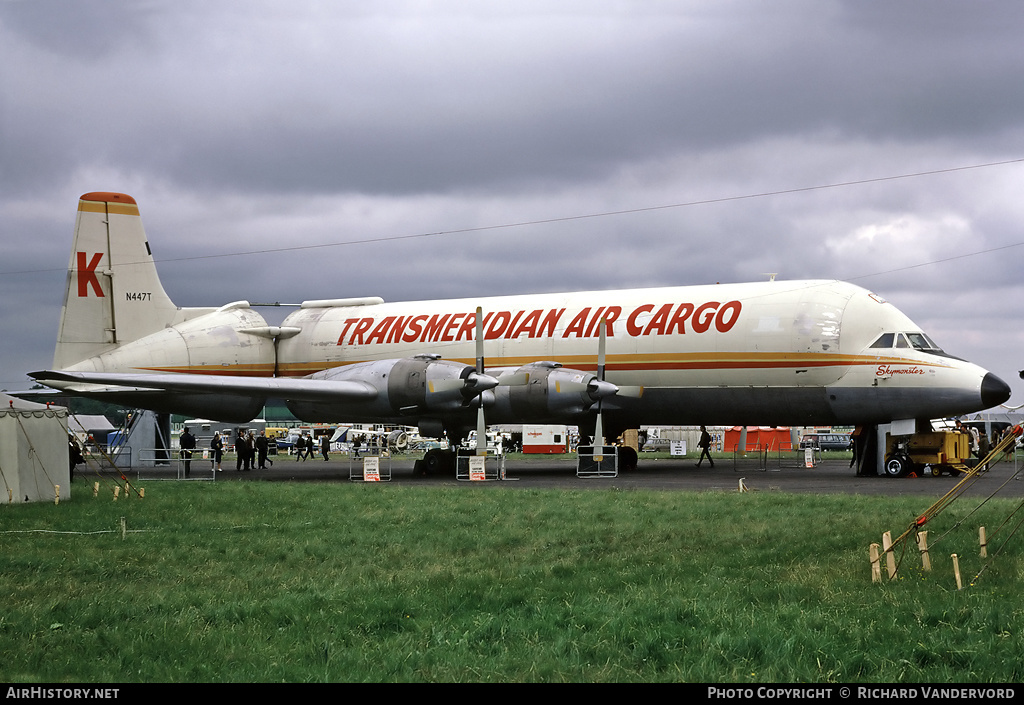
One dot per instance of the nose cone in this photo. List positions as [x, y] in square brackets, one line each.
[994, 391]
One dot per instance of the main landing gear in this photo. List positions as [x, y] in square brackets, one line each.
[437, 461]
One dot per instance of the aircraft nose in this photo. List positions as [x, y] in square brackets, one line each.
[994, 391]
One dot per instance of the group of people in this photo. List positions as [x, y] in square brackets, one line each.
[251, 450]
[305, 447]
[980, 443]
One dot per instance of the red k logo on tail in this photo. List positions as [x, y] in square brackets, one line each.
[87, 274]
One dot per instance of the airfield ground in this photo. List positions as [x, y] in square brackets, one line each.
[294, 574]
[831, 475]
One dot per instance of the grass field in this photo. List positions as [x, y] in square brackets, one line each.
[304, 582]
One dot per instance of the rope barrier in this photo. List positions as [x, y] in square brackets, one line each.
[969, 479]
[993, 458]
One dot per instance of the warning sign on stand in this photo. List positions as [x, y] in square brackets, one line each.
[476, 467]
[371, 469]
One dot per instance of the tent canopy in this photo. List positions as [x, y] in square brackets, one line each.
[33, 451]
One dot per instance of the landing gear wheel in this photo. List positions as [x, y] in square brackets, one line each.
[437, 462]
[898, 466]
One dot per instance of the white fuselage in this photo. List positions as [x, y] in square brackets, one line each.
[773, 352]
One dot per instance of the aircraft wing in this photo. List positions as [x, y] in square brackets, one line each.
[304, 389]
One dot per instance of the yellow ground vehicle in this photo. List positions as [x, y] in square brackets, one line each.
[944, 451]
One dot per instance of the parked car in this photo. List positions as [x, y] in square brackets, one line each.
[826, 441]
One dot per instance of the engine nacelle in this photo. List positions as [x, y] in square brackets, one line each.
[553, 391]
[407, 387]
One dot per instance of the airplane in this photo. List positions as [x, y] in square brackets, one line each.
[810, 352]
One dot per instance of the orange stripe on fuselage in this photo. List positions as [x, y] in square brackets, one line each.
[619, 363]
[688, 361]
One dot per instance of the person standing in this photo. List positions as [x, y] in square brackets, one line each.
[250, 452]
[217, 446]
[262, 447]
[74, 456]
[187, 443]
[705, 445]
[325, 446]
[239, 449]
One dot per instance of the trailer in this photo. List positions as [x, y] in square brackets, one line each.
[550, 438]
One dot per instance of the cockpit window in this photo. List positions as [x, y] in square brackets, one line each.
[918, 341]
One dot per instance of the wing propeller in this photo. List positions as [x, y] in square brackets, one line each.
[481, 423]
[600, 390]
[474, 383]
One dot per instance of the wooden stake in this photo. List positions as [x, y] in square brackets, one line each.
[890, 559]
[117, 491]
[124, 528]
[876, 565]
[922, 546]
[983, 541]
[95, 489]
[742, 487]
[956, 571]
[142, 493]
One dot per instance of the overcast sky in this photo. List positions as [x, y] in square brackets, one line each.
[248, 126]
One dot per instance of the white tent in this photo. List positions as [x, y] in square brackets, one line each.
[33, 451]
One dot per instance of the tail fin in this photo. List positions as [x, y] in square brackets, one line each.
[113, 294]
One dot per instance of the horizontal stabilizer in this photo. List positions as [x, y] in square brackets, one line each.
[298, 389]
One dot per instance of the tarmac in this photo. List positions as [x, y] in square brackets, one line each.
[831, 475]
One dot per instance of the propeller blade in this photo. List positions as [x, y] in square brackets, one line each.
[481, 430]
[599, 388]
[598, 424]
[446, 385]
[481, 422]
[479, 340]
[517, 379]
